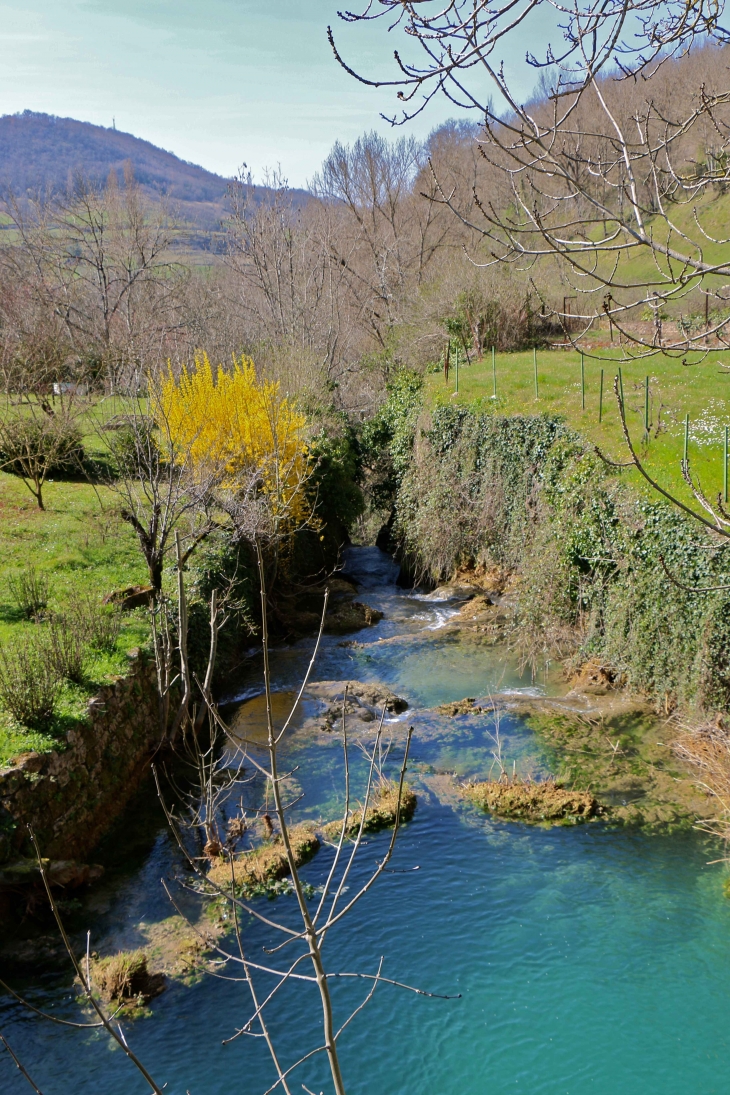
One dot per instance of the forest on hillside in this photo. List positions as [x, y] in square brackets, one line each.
[401, 246]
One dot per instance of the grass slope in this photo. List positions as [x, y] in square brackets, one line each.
[701, 390]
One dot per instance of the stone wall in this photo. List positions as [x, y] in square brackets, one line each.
[72, 796]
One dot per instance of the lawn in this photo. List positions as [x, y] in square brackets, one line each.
[81, 545]
[700, 390]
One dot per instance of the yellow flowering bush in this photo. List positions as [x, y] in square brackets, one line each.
[235, 431]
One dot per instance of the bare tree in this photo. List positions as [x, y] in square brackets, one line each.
[39, 435]
[218, 778]
[96, 261]
[280, 253]
[388, 234]
[608, 162]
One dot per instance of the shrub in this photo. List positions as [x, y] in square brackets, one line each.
[38, 443]
[98, 625]
[66, 647]
[386, 441]
[29, 682]
[54, 443]
[133, 444]
[30, 591]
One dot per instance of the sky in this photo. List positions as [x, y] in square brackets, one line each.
[220, 83]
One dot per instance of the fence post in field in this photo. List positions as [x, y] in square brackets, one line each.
[534, 362]
[582, 381]
[600, 400]
[646, 406]
[494, 374]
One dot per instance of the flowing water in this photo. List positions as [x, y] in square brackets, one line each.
[585, 959]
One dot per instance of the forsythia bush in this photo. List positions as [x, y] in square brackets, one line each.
[235, 430]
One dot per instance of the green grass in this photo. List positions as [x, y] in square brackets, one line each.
[701, 390]
[82, 546]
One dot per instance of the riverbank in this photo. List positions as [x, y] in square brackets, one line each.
[590, 561]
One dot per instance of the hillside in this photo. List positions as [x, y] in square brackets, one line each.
[41, 151]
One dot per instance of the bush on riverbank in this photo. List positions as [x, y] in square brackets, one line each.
[530, 494]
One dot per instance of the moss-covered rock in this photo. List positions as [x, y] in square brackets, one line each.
[265, 863]
[525, 800]
[380, 814]
[124, 978]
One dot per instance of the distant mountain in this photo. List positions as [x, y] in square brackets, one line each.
[38, 151]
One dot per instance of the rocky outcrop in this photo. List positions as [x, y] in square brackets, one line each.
[594, 678]
[351, 617]
[364, 703]
[70, 797]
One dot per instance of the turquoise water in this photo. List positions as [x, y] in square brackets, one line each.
[588, 959]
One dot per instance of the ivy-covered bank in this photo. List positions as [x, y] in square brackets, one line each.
[468, 487]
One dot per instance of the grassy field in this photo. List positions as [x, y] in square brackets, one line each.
[700, 390]
[80, 544]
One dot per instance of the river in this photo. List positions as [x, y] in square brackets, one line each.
[588, 958]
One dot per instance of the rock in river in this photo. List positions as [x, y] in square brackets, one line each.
[364, 704]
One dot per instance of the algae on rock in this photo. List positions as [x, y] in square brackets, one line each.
[124, 978]
[255, 869]
[620, 753]
[382, 812]
[525, 800]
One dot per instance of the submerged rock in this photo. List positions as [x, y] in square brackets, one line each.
[466, 706]
[524, 800]
[453, 591]
[365, 702]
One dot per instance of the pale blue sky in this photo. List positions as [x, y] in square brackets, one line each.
[218, 82]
